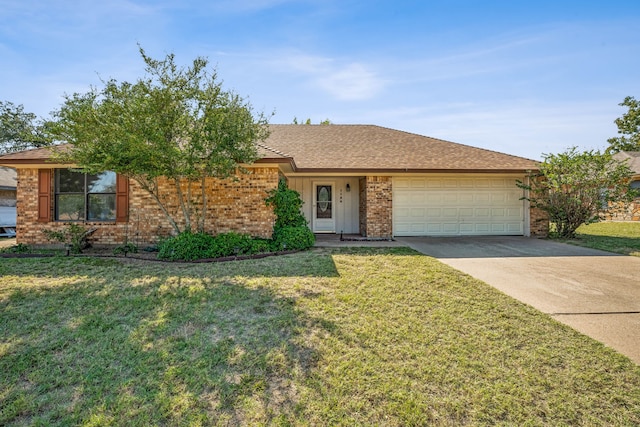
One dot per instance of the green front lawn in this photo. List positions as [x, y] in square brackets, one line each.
[619, 237]
[326, 337]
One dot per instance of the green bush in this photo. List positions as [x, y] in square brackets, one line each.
[185, 246]
[293, 238]
[125, 249]
[73, 235]
[20, 248]
[290, 231]
[189, 246]
[286, 205]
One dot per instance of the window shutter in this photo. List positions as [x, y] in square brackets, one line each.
[44, 195]
[122, 198]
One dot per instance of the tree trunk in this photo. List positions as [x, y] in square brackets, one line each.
[152, 189]
[204, 205]
[185, 211]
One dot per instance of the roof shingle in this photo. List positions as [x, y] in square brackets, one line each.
[369, 147]
[352, 148]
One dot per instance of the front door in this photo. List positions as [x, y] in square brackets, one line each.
[324, 218]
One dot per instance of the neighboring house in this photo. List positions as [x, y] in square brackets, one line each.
[354, 179]
[8, 184]
[631, 212]
[7, 201]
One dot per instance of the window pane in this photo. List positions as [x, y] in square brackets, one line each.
[104, 182]
[70, 207]
[70, 182]
[102, 207]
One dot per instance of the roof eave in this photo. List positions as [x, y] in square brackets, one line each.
[372, 171]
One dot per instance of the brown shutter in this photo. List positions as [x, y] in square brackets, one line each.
[44, 195]
[122, 198]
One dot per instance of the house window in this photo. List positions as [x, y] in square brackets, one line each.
[85, 197]
[635, 184]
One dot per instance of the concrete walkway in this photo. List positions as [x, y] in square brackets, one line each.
[595, 292]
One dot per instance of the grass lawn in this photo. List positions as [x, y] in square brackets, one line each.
[619, 237]
[326, 337]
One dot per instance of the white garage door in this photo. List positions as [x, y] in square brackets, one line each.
[457, 207]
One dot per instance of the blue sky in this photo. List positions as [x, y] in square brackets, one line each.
[523, 78]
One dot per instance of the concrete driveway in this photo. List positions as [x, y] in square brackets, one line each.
[595, 292]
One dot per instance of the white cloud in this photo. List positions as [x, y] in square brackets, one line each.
[352, 82]
[345, 81]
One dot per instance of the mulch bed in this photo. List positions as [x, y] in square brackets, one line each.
[143, 256]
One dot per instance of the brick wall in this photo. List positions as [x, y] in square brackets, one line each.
[376, 207]
[623, 211]
[232, 205]
[538, 223]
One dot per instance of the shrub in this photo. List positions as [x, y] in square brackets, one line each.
[189, 246]
[186, 246]
[286, 205]
[73, 235]
[290, 230]
[125, 249]
[227, 244]
[293, 238]
[20, 248]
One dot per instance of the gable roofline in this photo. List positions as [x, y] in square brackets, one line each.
[632, 158]
[351, 149]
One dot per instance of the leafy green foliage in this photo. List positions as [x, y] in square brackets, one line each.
[20, 130]
[286, 206]
[188, 246]
[20, 248]
[175, 122]
[127, 248]
[576, 188]
[290, 230]
[293, 238]
[73, 235]
[628, 127]
[308, 122]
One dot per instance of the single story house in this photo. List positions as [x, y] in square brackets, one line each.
[354, 179]
[632, 212]
[8, 182]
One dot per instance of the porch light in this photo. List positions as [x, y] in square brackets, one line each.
[348, 187]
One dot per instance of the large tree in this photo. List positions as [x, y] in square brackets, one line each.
[628, 128]
[20, 130]
[175, 122]
[577, 188]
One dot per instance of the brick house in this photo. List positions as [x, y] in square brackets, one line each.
[632, 211]
[354, 179]
[7, 202]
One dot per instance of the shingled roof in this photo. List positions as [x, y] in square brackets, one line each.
[342, 148]
[356, 148]
[8, 180]
[632, 158]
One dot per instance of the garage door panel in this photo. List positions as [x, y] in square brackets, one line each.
[498, 213]
[450, 213]
[457, 206]
[466, 212]
[483, 213]
[450, 228]
[467, 228]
